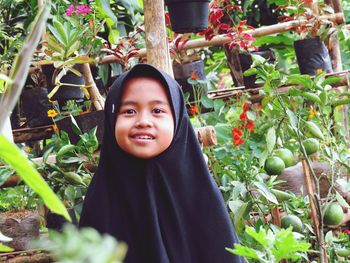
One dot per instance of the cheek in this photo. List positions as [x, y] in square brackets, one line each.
[168, 133]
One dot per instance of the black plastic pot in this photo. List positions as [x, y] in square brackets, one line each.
[312, 56]
[188, 15]
[65, 92]
[35, 105]
[246, 62]
[184, 71]
[85, 122]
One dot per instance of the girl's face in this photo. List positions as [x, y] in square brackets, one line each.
[145, 124]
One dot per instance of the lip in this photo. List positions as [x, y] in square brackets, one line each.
[133, 136]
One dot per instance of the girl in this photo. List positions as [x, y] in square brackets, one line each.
[152, 188]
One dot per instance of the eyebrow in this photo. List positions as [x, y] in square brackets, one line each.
[130, 102]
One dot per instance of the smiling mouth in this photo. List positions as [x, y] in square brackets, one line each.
[143, 137]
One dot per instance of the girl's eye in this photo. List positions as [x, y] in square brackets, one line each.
[158, 111]
[128, 112]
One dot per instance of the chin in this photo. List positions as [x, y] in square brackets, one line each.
[143, 155]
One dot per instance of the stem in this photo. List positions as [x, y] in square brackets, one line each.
[317, 200]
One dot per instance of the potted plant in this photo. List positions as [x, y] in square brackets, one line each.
[225, 18]
[71, 174]
[186, 64]
[34, 101]
[311, 53]
[188, 15]
[79, 119]
[71, 39]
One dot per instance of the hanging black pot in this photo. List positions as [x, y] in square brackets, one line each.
[246, 61]
[85, 122]
[184, 71]
[65, 92]
[35, 105]
[188, 15]
[312, 56]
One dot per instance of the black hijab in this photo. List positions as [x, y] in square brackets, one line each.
[168, 208]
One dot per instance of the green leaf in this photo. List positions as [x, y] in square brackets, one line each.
[341, 200]
[223, 132]
[207, 103]
[4, 248]
[303, 80]
[259, 236]
[104, 9]
[243, 251]
[261, 187]
[60, 33]
[271, 139]
[292, 119]
[13, 157]
[286, 246]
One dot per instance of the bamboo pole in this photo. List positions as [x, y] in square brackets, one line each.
[335, 55]
[337, 18]
[97, 100]
[156, 38]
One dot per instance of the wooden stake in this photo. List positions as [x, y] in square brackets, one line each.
[310, 186]
[206, 136]
[156, 38]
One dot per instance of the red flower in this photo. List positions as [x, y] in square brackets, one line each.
[243, 116]
[236, 132]
[237, 141]
[246, 106]
[250, 125]
[346, 231]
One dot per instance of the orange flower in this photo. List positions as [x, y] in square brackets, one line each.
[51, 113]
[194, 110]
[194, 76]
[312, 113]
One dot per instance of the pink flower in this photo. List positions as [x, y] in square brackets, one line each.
[70, 10]
[83, 10]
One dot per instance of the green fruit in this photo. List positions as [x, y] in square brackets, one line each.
[286, 155]
[343, 252]
[294, 221]
[333, 214]
[274, 165]
[311, 145]
[282, 195]
[314, 130]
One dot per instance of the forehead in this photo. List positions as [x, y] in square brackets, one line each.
[144, 88]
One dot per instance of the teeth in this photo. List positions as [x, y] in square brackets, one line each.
[144, 137]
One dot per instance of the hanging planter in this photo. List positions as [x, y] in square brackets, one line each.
[85, 122]
[184, 71]
[188, 15]
[35, 105]
[64, 92]
[312, 56]
[246, 62]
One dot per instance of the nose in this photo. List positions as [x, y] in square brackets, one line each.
[144, 121]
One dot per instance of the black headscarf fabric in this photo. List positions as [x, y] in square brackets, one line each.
[168, 208]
